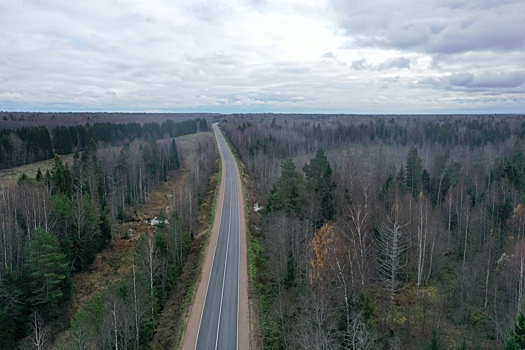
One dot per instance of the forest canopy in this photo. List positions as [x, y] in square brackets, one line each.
[387, 231]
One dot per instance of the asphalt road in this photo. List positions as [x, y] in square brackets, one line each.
[218, 327]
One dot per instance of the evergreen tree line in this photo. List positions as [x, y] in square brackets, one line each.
[28, 145]
[53, 225]
[402, 243]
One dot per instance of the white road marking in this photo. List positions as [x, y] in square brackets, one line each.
[225, 263]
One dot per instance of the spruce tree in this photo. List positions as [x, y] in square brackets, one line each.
[318, 174]
[39, 177]
[174, 162]
[48, 272]
[62, 140]
[517, 336]
[414, 171]
[287, 192]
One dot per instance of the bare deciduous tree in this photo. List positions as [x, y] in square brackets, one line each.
[356, 230]
[422, 236]
[392, 243]
[316, 325]
[39, 332]
[150, 264]
[359, 335]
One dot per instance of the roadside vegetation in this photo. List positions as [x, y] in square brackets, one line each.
[399, 232]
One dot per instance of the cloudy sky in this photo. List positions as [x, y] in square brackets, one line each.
[313, 56]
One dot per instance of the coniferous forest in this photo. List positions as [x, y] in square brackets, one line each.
[386, 232]
[26, 145]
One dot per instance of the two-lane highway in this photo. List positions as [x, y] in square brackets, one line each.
[218, 324]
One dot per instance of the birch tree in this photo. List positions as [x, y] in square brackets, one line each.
[39, 336]
[151, 267]
[422, 235]
[357, 231]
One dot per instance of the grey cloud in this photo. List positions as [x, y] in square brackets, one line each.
[212, 11]
[225, 60]
[294, 70]
[391, 80]
[489, 4]
[478, 82]
[507, 104]
[218, 58]
[200, 54]
[257, 2]
[264, 98]
[488, 80]
[444, 29]
[481, 35]
[360, 64]
[407, 37]
[460, 79]
[452, 39]
[400, 62]
[396, 63]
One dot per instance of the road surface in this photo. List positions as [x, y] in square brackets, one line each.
[222, 318]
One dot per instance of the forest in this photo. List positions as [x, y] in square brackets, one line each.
[53, 225]
[376, 232]
[27, 145]
[386, 232]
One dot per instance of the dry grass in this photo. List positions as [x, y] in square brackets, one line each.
[11, 175]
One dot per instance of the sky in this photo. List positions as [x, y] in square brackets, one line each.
[239, 56]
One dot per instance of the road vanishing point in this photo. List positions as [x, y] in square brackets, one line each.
[219, 317]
